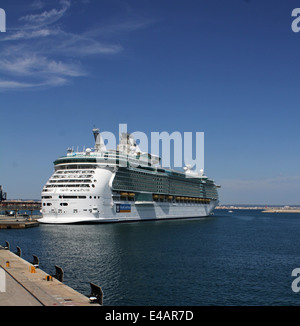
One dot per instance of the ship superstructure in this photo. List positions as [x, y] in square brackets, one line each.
[100, 185]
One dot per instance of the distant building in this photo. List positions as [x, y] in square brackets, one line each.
[2, 195]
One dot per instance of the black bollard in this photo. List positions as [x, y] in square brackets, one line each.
[96, 295]
[19, 252]
[59, 273]
[36, 261]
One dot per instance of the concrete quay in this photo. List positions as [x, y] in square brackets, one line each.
[22, 284]
[19, 222]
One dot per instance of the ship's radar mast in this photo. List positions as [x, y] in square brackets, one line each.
[99, 144]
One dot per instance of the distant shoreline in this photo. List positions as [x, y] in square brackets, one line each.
[285, 209]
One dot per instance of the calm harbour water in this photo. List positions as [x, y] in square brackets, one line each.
[241, 258]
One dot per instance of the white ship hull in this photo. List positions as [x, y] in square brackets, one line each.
[138, 212]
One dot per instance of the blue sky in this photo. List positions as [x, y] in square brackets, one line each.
[230, 69]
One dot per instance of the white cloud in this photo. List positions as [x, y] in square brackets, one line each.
[37, 5]
[47, 17]
[38, 53]
[83, 45]
[50, 82]
[29, 34]
[39, 66]
[8, 84]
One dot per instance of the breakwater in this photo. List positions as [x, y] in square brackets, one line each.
[264, 209]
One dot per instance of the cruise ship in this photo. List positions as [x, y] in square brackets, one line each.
[99, 185]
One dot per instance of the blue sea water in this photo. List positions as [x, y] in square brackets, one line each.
[241, 258]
